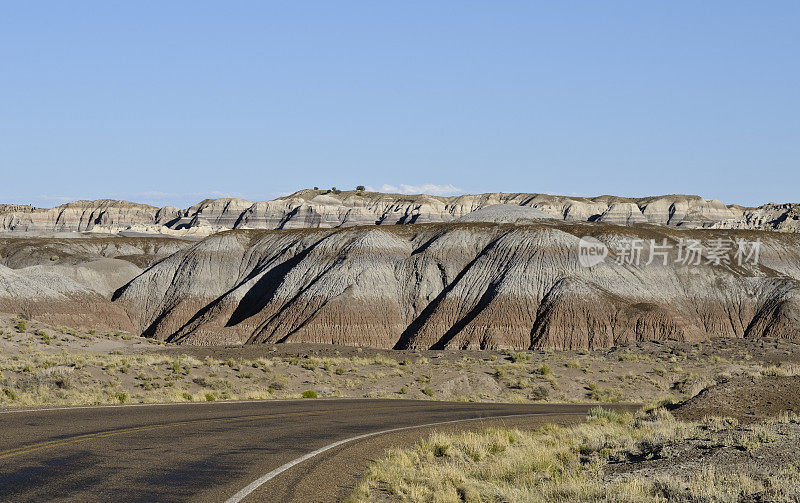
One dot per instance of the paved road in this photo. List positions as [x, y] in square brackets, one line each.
[210, 451]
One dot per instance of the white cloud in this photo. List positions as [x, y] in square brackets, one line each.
[159, 195]
[426, 188]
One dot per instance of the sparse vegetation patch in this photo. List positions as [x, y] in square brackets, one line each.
[599, 460]
[94, 367]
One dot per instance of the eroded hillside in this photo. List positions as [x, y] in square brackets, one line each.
[70, 281]
[464, 285]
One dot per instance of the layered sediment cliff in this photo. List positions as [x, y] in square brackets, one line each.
[70, 281]
[325, 209]
[465, 285]
[503, 272]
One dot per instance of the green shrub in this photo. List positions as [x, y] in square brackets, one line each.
[62, 382]
[759, 436]
[717, 424]
[519, 384]
[21, 326]
[441, 450]
[539, 393]
[601, 413]
[664, 401]
[688, 384]
[309, 393]
[121, 397]
[427, 391]
[603, 394]
[210, 397]
[187, 396]
[45, 336]
[277, 385]
[519, 357]
[544, 370]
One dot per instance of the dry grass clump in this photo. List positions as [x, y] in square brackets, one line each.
[38, 378]
[121, 368]
[601, 394]
[561, 464]
[783, 370]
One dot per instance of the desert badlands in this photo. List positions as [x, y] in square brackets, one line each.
[441, 336]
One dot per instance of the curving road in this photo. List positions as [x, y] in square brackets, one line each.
[213, 451]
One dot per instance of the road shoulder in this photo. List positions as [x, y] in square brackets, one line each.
[333, 475]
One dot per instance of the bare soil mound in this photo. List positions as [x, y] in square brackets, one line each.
[748, 399]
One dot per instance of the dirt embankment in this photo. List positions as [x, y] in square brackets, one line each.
[748, 399]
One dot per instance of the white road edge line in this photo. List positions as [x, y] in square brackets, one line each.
[252, 486]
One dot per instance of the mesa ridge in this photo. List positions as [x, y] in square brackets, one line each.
[326, 209]
[502, 273]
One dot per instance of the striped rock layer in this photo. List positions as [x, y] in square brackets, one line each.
[326, 209]
[465, 285]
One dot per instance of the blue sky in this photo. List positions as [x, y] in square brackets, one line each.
[171, 102]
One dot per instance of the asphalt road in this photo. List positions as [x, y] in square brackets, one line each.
[210, 451]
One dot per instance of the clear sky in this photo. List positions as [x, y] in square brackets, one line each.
[170, 102]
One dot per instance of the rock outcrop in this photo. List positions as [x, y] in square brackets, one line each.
[56, 299]
[81, 216]
[484, 271]
[19, 252]
[326, 209]
[505, 213]
[624, 214]
[70, 281]
[465, 285]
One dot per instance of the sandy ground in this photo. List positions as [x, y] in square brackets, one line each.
[41, 364]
